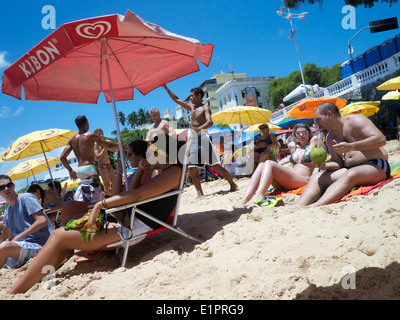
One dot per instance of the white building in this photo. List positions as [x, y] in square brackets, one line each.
[244, 92]
[59, 172]
[168, 114]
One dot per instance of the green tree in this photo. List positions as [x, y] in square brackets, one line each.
[121, 118]
[354, 3]
[132, 119]
[324, 77]
[141, 116]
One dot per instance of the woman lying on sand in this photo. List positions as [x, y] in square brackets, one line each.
[281, 177]
[62, 242]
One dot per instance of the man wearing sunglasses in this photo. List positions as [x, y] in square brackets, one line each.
[27, 227]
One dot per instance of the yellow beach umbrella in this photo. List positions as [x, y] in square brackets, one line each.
[366, 108]
[392, 84]
[392, 95]
[71, 184]
[36, 143]
[31, 167]
[254, 128]
[242, 115]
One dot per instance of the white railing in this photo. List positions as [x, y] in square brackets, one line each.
[369, 75]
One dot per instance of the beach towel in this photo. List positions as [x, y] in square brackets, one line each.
[81, 224]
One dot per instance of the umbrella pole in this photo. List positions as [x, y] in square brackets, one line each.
[121, 150]
[48, 167]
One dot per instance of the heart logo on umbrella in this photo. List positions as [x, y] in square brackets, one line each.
[93, 30]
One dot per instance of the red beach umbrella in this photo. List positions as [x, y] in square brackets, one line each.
[111, 54]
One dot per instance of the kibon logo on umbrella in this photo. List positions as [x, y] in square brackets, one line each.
[111, 54]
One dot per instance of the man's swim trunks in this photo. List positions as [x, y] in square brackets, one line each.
[381, 163]
[202, 152]
[89, 189]
[86, 171]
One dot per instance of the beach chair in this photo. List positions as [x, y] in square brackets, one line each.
[171, 223]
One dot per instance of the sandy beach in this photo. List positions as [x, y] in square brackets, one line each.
[347, 250]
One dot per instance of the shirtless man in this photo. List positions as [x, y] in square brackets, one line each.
[159, 126]
[200, 147]
[83, 146]
[104, 164]
[357, 156]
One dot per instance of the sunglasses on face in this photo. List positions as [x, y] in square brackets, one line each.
[303, 132]
[8, 185]
[262, 128]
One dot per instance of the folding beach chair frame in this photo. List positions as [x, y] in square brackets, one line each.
[126, 243]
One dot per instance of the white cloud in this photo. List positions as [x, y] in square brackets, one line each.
[19, 111]
[3, 62]
[5, 112]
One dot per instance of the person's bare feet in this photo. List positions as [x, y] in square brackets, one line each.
[239, 205]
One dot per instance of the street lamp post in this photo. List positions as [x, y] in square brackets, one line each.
[289, 16]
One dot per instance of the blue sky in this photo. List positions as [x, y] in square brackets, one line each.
[247, 34]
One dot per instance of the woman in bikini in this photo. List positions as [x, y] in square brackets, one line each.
[281, 177]
[62, 242]
[266, 147]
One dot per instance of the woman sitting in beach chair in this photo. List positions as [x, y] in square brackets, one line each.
[62, 242]
[136, 151]
[281, 177]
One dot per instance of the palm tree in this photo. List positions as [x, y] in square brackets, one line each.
[121, 118]
[141, 116]
[132, 119]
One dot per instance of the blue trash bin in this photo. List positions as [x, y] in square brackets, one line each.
[359, 63]
[387, 48]
[372, 56]
[346, 69]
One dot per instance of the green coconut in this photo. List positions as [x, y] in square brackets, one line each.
[318, 155]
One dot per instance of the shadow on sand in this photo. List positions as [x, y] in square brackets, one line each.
[370, 283]
[202, 225]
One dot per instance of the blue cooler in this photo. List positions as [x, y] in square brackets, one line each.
[387, 48]
[359, 63]
[346, 69]
[372, 56]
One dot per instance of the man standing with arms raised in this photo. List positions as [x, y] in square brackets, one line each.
[82, 144]
[201, 149]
